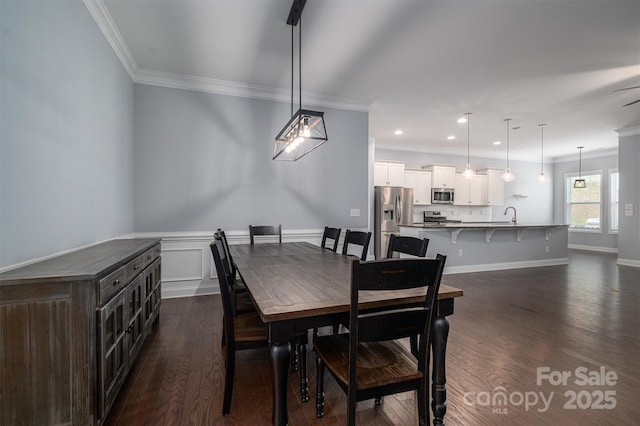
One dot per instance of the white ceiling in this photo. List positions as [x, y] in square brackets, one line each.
[417, 65]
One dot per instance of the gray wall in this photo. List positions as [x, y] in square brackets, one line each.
[536, 208]
[591, 162]
[629, 238]
[66, 132]
[203, 161]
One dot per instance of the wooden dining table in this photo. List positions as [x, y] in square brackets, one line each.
[299, 286]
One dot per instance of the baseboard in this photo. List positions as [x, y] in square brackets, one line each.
[175, 289]
[502, 266]
[593, 248]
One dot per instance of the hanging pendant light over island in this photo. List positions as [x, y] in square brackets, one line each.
[507, 176]
[468, 172]
[542, 178]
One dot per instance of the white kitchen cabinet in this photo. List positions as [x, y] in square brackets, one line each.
[494, 187]
[442, 176]
[470, 192]
[420, 181]
[388, 174]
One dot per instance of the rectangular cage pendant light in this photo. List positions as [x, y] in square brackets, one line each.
[304, 132]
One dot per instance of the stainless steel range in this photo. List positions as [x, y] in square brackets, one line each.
[434, 216]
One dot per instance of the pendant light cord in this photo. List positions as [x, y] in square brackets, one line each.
[299, 63]
[580, 165]
[300, 58]
[507, 120]
[292, 70]
[468, 133]
[542, 148]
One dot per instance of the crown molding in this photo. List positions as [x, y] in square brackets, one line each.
[230, 88]
[152, 77]
[454, 151]
[101, 15]
[586, 155]
[628, 131]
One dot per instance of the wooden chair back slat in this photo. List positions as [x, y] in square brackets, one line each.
[407, 245]
[332, 234]
[359, 238]
[265, 230]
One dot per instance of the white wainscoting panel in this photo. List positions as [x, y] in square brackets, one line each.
[187, 265]
[181, 264]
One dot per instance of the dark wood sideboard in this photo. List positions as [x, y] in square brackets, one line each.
[70, 329]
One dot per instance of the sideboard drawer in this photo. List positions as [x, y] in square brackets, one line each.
[150, 255]
[112, 284]
[135, 266]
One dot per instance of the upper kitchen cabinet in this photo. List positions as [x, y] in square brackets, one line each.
[388, 174]
[494, 187]
[442, 176]
[470, 192]
[420, 181]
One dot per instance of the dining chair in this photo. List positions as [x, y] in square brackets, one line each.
[332, 234]
[360, 238]
[238, 307]
[407, 245]
[265, 230]
[412, 246]
[370, 361]
[234, 269]
[242, 331]
[240, 298]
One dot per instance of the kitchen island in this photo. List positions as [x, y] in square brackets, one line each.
[487, 246]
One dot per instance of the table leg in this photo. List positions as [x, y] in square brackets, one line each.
[440, 333]
[279, 356]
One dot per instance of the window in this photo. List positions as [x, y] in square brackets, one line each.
[583, 204]
[614, 201]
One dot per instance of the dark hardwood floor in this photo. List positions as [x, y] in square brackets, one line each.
[580, 318]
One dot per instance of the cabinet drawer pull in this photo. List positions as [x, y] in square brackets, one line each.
[116, 282]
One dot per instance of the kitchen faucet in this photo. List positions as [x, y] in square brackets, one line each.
[514, 219]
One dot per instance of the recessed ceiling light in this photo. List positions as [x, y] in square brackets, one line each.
[450, 138]
[497, 143]
[398, 132]
[462, 120]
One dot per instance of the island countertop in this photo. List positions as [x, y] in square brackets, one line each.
[481, 225]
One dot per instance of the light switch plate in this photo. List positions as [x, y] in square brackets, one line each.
[355, 212]
[628, 206]
[628, 212]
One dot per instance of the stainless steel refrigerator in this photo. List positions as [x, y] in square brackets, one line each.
[393, 206]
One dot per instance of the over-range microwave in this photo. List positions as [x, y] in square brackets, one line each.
[441, 196]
